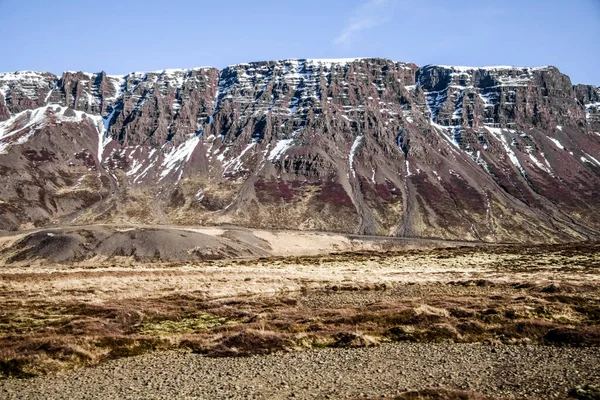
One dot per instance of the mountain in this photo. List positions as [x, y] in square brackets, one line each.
[368, 146]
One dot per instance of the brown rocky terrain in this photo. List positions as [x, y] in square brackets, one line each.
[501, 372]
[366, 146]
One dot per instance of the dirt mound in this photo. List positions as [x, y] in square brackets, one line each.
[140, 244]
[170, 243]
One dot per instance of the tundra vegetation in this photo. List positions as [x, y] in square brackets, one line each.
[59, 317]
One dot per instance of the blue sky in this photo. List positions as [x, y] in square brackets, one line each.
[130, 35]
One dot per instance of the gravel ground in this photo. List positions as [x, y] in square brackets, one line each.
[503, 371]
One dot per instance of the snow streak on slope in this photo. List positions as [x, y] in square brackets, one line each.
[236, 164]
[103, 138]
[557, 143]
[544, 167]
[118, 82]
[587, 159]
[218, 94]
[352, 154]
[20, 127]
[408, 173]
[497, 133]
[280, 148]
[151, 163]
[178, 156]
[435, 101]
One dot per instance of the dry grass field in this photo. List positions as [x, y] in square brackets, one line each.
[59, 317]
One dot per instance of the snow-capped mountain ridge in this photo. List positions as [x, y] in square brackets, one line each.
[319, 61]
[490, 67]
[359, 145]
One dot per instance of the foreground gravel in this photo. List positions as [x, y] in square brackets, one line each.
[503, 371]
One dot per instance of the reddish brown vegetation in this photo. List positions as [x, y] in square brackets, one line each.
[40, 336]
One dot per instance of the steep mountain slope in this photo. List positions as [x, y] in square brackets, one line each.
[354, 145]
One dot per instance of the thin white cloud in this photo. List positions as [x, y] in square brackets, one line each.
[369, 15]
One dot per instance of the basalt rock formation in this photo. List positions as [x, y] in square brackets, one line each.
[366, 146]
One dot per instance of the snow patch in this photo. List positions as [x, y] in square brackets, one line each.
[29, 82]
[103, 137]
[448, 132]
[481, 162]
[151, 164]
[237, 162]
[280, 148]
[178, 156]
[497, 133]
[537, 163]
[20, 127]
[557, 143]
[590, 157]
[591, 107]
[408, 173]
[135, 167]
[352, 154]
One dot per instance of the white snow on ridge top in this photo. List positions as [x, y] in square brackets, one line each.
[30, 78]
[170, 71]
[18, 75]
[326, 62]
[30, 82]
[504, 75]
[89, 75]
[331, 61]
[488, 68]
[79, 72]
[118, 82]
[22, 75]
[8, 128]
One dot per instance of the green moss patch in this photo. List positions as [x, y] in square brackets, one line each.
[203, 322]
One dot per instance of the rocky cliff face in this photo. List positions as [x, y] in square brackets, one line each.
[362, 145]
